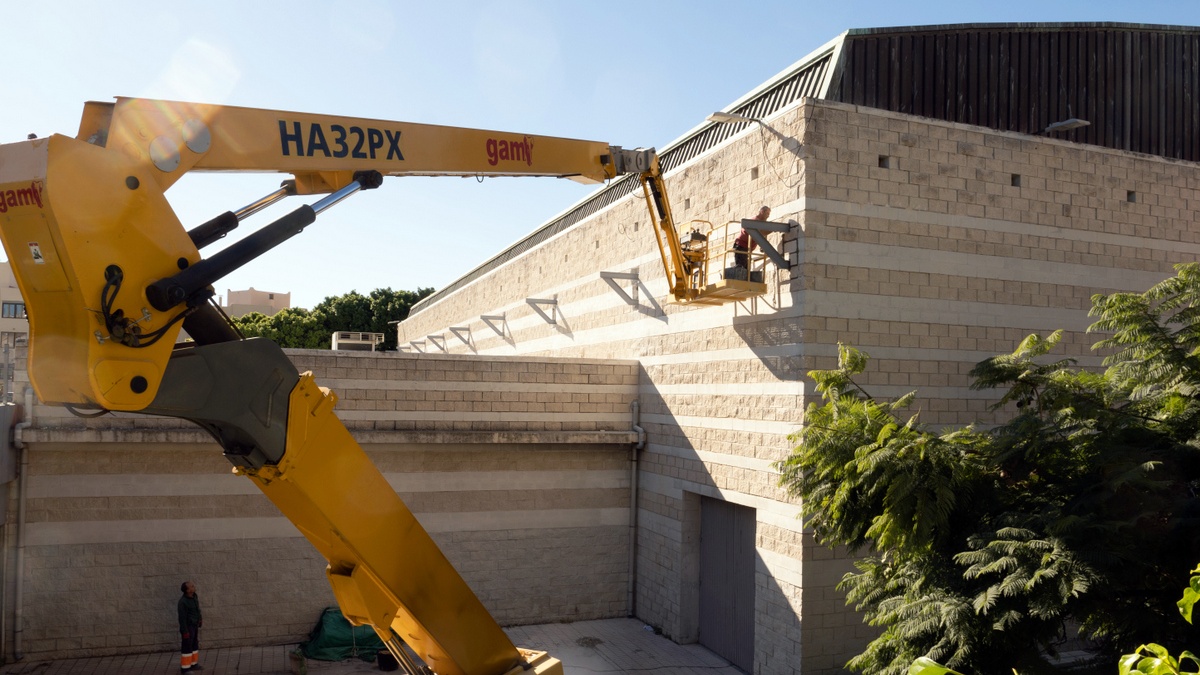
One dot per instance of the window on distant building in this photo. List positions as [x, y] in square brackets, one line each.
[12, 310]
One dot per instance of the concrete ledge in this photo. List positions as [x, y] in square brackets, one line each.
[363, 436]
[470, 437]
[78, 435]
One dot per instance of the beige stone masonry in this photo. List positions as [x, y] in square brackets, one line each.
[519, 469]
[929, 245]
[968, 241]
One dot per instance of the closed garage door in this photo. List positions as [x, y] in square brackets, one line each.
[727, 581]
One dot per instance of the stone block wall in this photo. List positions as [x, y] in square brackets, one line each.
[527, 493]
[720, 388]
[927, 244]
[968, 240]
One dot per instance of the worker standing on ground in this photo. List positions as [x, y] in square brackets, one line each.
[743, 244]
[189, 628]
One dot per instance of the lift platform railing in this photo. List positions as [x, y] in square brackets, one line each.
[715, 274]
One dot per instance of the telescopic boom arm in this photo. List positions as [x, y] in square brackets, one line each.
[110, 277]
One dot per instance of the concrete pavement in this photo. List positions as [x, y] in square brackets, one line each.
[585, 648]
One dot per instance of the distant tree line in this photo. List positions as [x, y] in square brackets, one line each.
[297, 327]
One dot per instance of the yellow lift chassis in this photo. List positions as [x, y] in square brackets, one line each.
[110, 276]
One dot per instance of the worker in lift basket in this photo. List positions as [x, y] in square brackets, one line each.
[743, 244]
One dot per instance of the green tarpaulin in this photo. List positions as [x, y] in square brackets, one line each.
[334, 639]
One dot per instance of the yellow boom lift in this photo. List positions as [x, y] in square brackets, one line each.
[110, 277]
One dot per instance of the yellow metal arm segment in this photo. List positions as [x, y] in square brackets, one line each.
[99, 255]
[324, 150]
[280, 429]
[384, 568]
[679, 265]
[90, 230]
[687, 263]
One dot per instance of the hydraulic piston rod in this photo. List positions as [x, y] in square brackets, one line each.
[206, 233]
[174, 290]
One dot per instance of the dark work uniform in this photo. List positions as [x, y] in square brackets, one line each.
[189, 632]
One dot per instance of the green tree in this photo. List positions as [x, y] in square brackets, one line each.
[1147, 659]
[294, 327]
[351, 311]
[388, 307]
[980, 544]
[300, 328]
[1154, 659]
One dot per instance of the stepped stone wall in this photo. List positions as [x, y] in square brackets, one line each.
[527, 494]
[929, 245]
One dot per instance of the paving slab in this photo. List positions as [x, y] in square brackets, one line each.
[584, 647]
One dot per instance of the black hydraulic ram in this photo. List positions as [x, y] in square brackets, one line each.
[656, 193]
[172, 291]
[206, 233]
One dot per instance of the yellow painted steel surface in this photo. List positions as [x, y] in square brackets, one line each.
[74, 210]
[71, 210]
[72, 207]
[193, 136]
[384, 568]
[541, 664]
[729, 290]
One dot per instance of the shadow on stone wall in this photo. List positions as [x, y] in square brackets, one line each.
[647, 305]
[778, 616]
[778, 343]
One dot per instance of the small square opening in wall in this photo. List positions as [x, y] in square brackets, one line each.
[1131, 196]
[754, 173]
[885, 162]
[1016, 180]
[687, 203]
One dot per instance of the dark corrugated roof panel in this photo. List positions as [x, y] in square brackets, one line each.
[1137, 85]
[1027, 27]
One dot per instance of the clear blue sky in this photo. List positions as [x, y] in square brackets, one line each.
[628, 73]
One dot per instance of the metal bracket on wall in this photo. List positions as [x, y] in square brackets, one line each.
[758, 230]
[496, 322]
[418, 346]
[611, 278]
[433, 340]
[537, 303]
[462, 333]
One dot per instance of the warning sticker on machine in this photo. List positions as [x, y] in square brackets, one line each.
[36, 252]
